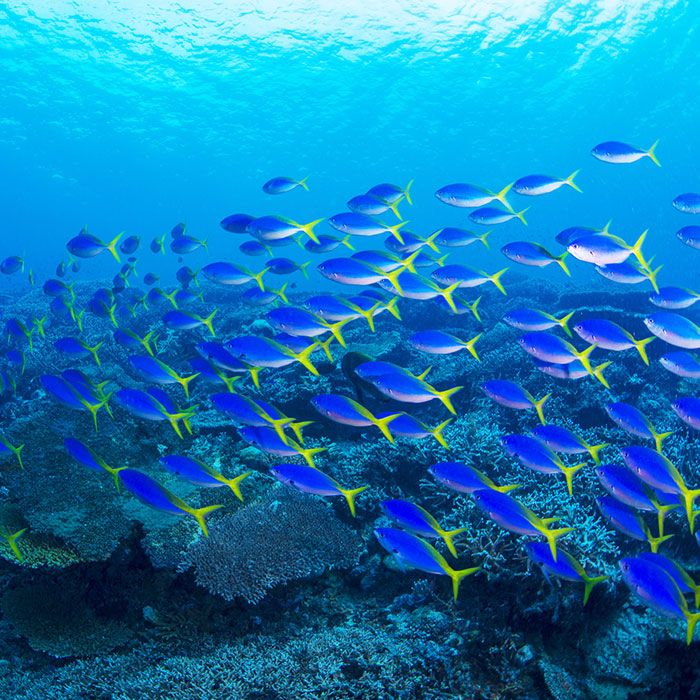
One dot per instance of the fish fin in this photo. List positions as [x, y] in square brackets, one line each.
[145, 341]
[297, 427]
[651, 153]
[562, 264]
[255, 375]
[424, 374]
[302, 183]
[570, 180]
[408, 262]
[473, 309]
[326, 345]
[470, 345]
[94, 350]
[308, 229]
[593, 450]
[309, 452]
[538, 407]
[393, 277]
[507, 488]
[583, 356]
[185, 381]
[395, 231]
[334, 328]
[406, 191]
[430, 240]
[641, 347]
[368, 313]
[207, 321]
[12, 542]
[16, 451]
[458, 575]
[345, 240]
[552, 537]
[449, 535]
[393, 309]
[350, 497]
[482, 238]
[689, 496]
[234, 484]
[606, 228]
[521, 216]
[112, 246]
[383, 425]
[199, 515]
[171, 298]
[591, 581]
[692, 619]
[496, 279]
[303, 357]
[448, 294]
[281, 293]
[501, 197]
[569, 474]
[563, 322]
[549, 521]
[437, 433]
[174, 418]
[114, 471]
[654, 542]
[636, 249]
[445, 395]
[651, 276]
[598, 373]
[660, 437]
[258, 277]
[395, 208]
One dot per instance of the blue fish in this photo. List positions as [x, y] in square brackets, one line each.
[84, 456]
[628, 521]
[280, 185]
[236, 223]
[618, 152]
[198, 473]
[465, 478]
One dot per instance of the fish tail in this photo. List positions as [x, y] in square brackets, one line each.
[570, 180]
[367, 313]
[470, 345]
[16, 451]
[228, 381]
[296, 238]
[449, 535]
[482, 238]
[255, 375]
[303, 357]
[661, 513]
[112, 246]
[174, 418]
[641, 347]
[501, 197]
[584, 357]
[562, 264]
[406, 191]
[507, 488]
[448, 294]
[563, 322]
[334, 328]
[303, 267]
[345, 240]
[696, 592]
[146, 342]
[309, 452]
[281, 293]
[395, 231]
[171, 298]
[591, 581]
[297, 427]
[309, 229]
[408, 262]
[473, 309]
[393, 277]
[692, 619]
[660, 437]
[279, 424]
[207, 321]
[651, 153]
[326, 345]
[302, 183]
[185, 382]
[520, 215]
[689, 497]
[654, 542]
[437, 433]
[569, 474]
[105, 403]
[445, 395]
[598, 373]
[636, 249]
[383, 425]
[496, 279]
[234, 484]
[458, 575]
[552, 537]
[114, 471]
[395, 208]
[350, 497]
[393, 309]
[651, 276]
[199, 515]
[430, 240]
[12, 542]
[258, 277]
[538, 407]
[441, 261]
[593, 450]
[78, 321]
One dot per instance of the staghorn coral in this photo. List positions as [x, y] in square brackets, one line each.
[283, 537]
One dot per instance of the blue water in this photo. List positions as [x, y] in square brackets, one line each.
[133, 116]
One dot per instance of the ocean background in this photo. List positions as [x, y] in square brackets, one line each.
[131, 116]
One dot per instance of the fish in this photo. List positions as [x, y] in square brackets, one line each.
[17, 330]
[17, 357]
[84, 456]
[7, 448]
[198, 473]
[606, 249]
[674, 298]
[12, 264]
[568, 235]
[411, 242]
[385, 261]
[681, 577]
[626, 487]
[75, 347]
[274, 228]
[356, 272]
[150, 278]
[157, 245]
[259, 297]
[345, 411]
[391, 193]
[333, 308]
[660, 473]
[407, 426]
[232, 274]
[155, 370]
[183, 320]
[296, 321]
[533, 255]
[363, 225]
[560, 439]
[327, 243]
[512, 395]
[564, 567]
[610, 336]
[459, 305]
[656, 588]
[628, 273]
[38, 324]
[371, 205]
[66, 395]
[144, 404]
[627, 521]
[349, 364]
[687, 408]
[371, 369]
[254, 248]
[543, 184]
[185, 275]
[441, 343]
[236, 223]
[85, 245]
[129, 245]
[410, 389]
[618, 152]
[681, 363]
[246, 411]
[309, 480]
[178, 230]
[264, 352]
[465, 478]
[211, 374]
[220, 357]
[280, 185]
[56, 288]
[512, 515]
[535, 455]
[184, 297]
[464, 195]
[535, 320]
[413, 286]
[153, 494]
[285, 266]
[465, 277]
[490, 216]
[268, 440]
[156, 296]
[550, 348]
[412, 551]
[633, 421]
[184, 244]
[688, 203]
[674, 329]
[690, 235]
[11, 538]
